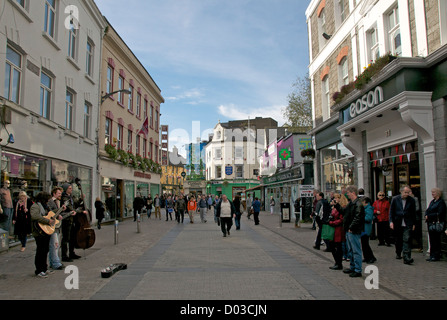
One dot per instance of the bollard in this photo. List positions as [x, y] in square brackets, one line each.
[116, 232]
[138, 223]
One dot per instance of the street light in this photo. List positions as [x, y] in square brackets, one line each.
[104, 98]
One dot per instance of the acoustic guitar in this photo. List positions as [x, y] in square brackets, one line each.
[48, 229]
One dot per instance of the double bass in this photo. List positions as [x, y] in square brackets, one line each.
[85, 234]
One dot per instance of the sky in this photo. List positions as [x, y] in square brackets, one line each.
[215, 60]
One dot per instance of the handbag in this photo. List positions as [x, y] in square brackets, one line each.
[436, 226]
[327, 232]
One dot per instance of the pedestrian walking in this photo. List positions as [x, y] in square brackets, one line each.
[226, 211]
[368, 254]
[100, 209]
[180, 206]
[215, 202]
[138, 205]
[7, 206]
[354, 224]
[192, 208]
[238, 213]
[148, 204]
[435, 216]
[157, 203]
[382, 214]
[272, 205]
[402, 219]
[202, 207]
[169, 203]
[22, 218]
[249, 202]
[256, 209]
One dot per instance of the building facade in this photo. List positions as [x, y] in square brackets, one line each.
[50, 94]
[174, 173]
[129, 129]
[378, 72]
[232, 155]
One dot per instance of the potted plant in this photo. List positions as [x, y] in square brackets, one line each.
[111, 151]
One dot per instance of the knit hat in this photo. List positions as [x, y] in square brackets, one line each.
[65, 186]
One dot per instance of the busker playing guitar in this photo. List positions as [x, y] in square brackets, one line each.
[38, 212]
[68, 224]
[54, 204]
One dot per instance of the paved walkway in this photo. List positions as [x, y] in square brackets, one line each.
[170, 261]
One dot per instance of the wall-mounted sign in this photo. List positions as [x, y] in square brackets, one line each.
[285, 154]
[368, 101]
[228, 170]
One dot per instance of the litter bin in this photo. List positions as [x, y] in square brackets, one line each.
[285, 212]
[4, 240]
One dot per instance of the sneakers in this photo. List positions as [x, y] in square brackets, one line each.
[42, 275]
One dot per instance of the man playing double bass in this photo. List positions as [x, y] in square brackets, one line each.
[69, 224]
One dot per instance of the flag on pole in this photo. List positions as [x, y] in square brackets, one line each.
[145, 127]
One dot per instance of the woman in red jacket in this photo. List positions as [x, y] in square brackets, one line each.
[336, 220]
[382, 212]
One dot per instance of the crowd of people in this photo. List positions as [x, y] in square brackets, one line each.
[345, 224]
[223, 209]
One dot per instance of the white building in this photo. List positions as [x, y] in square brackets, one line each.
[381, 129]
[51, 86]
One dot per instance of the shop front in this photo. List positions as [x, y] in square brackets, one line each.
[119, 187]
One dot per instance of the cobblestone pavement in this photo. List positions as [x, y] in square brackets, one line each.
[170, 261]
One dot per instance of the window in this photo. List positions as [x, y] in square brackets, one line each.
[373, 45]
[87, 119]
[72, 42]
[129, 141]
[338, 167]
[326, 102]
[50, 17]
[145, 109]
[13, 75]
[218, 172]
[46, 85]
[138, 105]
[119, 137]
[144, 148]
[156, 121]
[151, 147]
[109, 85]
[156, 154]
[217, 153]
[89, 58]
[121, 87]
[137, 145]
[130, 101]
[108, 131]
[239, 152]
[239, 171]
[21, 3]
[344, 71]
[151, 120]
[341, 8]
[394, 32]
[69, 105]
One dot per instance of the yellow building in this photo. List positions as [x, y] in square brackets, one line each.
[129, 154]
[171, 178]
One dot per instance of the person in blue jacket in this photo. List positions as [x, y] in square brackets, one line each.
[256, 208]
[368, 255]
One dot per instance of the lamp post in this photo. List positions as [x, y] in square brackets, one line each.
[104, 98]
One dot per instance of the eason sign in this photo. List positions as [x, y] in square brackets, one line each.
[368, 101]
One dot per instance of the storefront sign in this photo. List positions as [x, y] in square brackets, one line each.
[368, 101]
[142, 175]
[228, 170]
[306, 191]
[294, 174]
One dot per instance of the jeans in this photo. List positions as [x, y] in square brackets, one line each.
[403, 241]
[237, 220]
[53, 257]
[355, 249]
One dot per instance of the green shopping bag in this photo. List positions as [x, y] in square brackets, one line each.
[327, 232]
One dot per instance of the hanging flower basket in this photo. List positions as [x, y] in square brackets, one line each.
[308, 153]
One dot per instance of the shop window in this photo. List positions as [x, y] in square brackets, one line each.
[337, 164]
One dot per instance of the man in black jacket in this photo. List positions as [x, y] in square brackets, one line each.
[354, 224]
[402, 221]
[322, 211]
